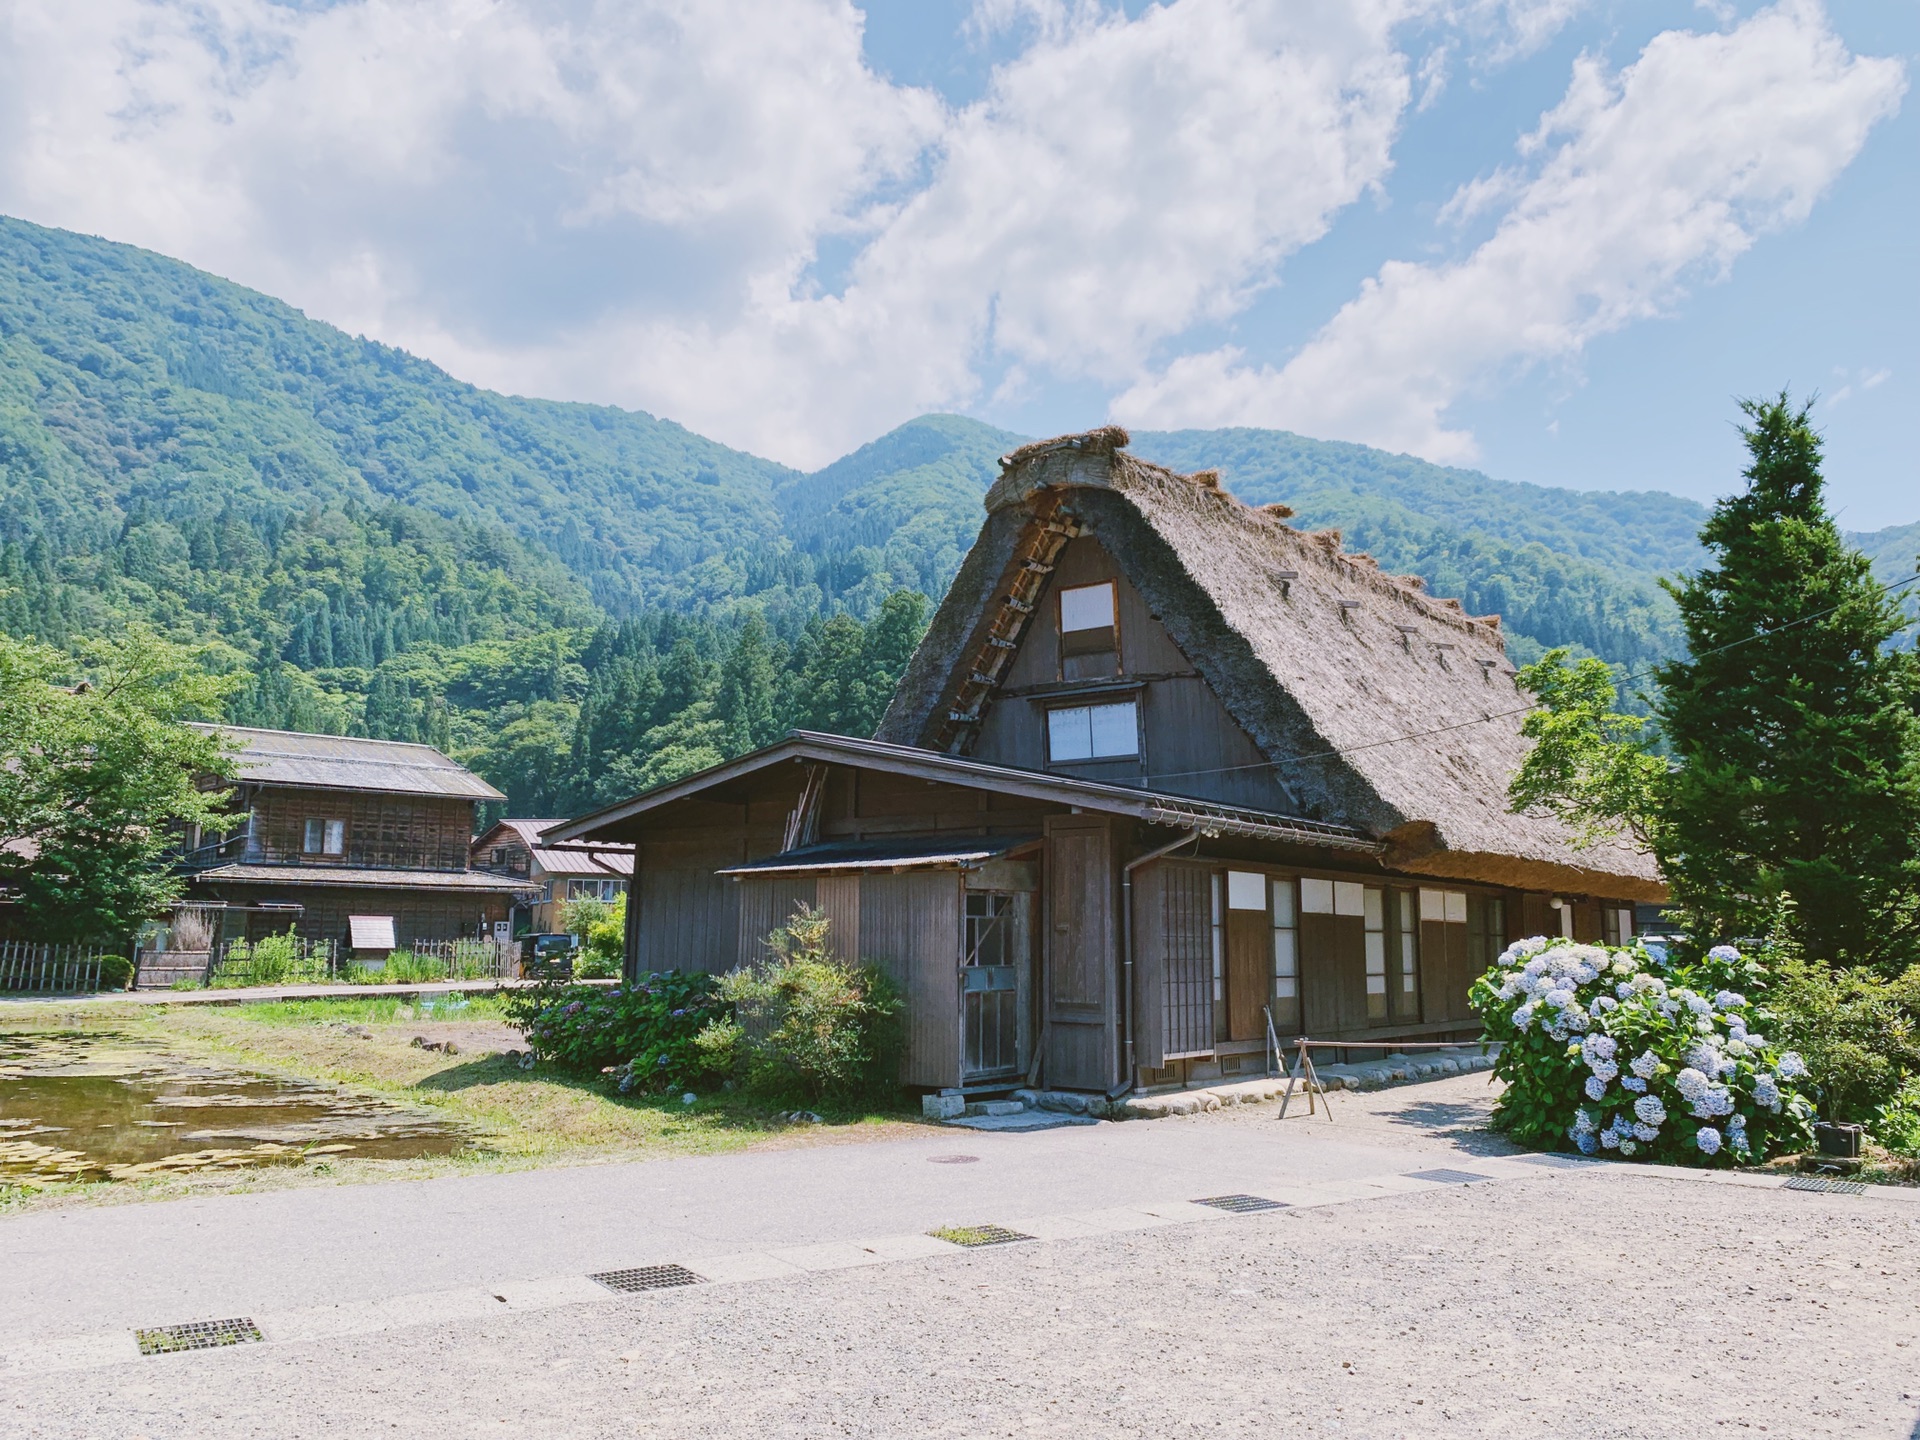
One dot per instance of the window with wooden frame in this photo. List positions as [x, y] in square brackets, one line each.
[1093, 732]
[1286, 958]
[1089, 631]
[1375, 905]
[1405, 989]
[1616, 926]
[325, 837]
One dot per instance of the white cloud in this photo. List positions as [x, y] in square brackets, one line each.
[1645, 182]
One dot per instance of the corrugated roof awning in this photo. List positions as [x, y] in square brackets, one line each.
[907, 852]
[345, 875]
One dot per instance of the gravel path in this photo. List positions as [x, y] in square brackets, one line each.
[1601, 1301]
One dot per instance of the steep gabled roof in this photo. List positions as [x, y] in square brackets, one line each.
[1380, 706]
[340, 762]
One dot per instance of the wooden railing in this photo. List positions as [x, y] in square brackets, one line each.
[50, 969]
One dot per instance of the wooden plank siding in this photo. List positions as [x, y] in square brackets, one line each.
[1190, 744]
[417, 914]
[766, 903]
[1078, 986]
[910, 927]
[386, 832]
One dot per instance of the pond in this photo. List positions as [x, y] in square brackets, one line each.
[93, 1106]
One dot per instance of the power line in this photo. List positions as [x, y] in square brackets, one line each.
[1626, 678]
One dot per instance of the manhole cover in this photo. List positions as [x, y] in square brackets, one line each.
[973, 1236]
[647, 1277]
[196, 1335]
[953, 1159]
[1242, 1204]
[1825, 1186]
[1448, 1177]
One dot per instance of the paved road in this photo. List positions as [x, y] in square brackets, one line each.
[1589, 1300]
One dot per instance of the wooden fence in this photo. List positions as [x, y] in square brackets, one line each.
[469, 959]
[26, 966]
[275, 960]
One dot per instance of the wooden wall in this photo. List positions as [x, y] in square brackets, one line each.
[1184, 726]
[1079, 978]
[910, 927]
[404, 832]
[417, 914]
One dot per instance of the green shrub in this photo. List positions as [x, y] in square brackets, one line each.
[808, 1025]
[651, 1029]
[602, 929]
[116, 972]
[1859, 1031]
[1643, 1057]
[1896, 1123]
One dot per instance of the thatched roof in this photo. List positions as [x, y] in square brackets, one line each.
[1312, 650]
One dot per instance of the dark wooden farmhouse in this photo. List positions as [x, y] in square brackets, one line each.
[1163, 767]
[330, 828]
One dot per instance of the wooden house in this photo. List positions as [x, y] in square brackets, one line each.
[1164, 771]
[329, 829]
[553, 877]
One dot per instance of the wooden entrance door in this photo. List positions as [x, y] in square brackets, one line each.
[1333, 955]
[995, 928]
[1443, 954]
[1081, 1011]
[1249, 967]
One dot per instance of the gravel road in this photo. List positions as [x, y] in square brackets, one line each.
[1602, 1301]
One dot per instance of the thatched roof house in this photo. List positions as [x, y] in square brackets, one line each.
[1165, 777]
[1371, 702]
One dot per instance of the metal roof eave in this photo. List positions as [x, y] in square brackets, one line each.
[1152, 806]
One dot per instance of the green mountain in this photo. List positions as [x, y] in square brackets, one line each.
[376, 546]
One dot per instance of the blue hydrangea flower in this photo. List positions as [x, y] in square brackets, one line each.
[1635, 1084]
[1791, 1066]
[1645, 1133]
[1596, 1088]
[1646, 1065]
[1708, 1139]
[1723, 952]
[1650, 1110]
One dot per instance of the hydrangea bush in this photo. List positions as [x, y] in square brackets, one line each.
[649, 1028]
[1621, 1053]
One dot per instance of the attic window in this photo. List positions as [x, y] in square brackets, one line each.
[1089, 638]
[1093, 732]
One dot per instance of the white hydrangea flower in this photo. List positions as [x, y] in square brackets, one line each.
[1708, 1139]
[1650, 1111]
[1736, 1046]
[1624, 964]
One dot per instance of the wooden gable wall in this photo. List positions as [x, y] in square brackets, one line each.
[1190, 744]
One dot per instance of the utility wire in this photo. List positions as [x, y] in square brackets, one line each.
[1626, 678]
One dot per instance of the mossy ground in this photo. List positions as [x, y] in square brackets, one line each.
[519, 1117]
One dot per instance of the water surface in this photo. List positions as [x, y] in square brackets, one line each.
[90, 1106]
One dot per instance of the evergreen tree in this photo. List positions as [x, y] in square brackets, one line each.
[390, 712]
[831, 692]
[890, 640]
[747, 690]
[1796, 727]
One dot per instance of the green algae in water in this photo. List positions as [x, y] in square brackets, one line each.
[80, 1106]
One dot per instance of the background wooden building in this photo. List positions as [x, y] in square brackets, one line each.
[514, 849]
[1163, 769]
[329, 827]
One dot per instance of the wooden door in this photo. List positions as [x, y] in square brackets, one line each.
[1079, 985]
[1333, 955]
[1444, 962]
[1249, 963]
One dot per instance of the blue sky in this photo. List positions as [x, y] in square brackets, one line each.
[1546, 238]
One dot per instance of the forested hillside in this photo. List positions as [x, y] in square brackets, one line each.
[580, 600]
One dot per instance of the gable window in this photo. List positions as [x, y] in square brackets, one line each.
[325, 837]
[1089, 647]
[1093, 732]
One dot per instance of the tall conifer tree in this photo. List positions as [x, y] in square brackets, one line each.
[1796, 726]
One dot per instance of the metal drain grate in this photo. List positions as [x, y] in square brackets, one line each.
[1825, 1186]
[1448, 1177]
[1242, 1204]
[647, 1277]
[974, 1236]
[197, 1335]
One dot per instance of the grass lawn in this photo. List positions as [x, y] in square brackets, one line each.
[518, 1117]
